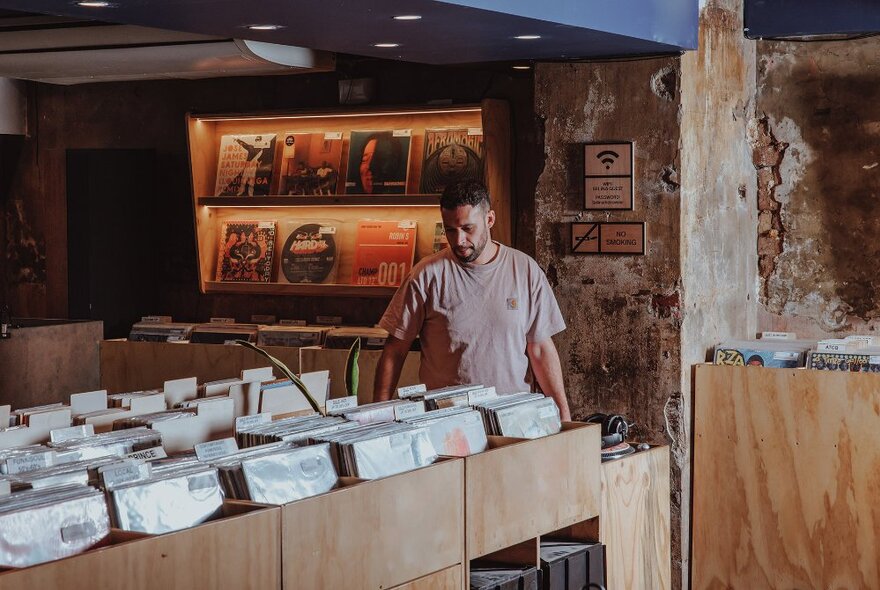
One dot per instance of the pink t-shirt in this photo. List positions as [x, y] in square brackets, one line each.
[474, 320]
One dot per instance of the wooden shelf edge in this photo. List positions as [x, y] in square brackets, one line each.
[322, 201]
[299, 289]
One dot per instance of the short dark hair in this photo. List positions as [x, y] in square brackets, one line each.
[465, 192]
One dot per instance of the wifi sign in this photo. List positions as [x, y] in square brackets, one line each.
[608, 176]
[608, 158]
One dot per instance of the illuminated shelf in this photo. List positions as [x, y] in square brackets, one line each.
[315, 290]
[325, 201]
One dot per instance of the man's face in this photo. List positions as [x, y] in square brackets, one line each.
[366, 160]
[468, 232]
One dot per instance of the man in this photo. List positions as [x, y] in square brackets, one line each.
[484, 312]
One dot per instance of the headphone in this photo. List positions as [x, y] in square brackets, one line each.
[614, 428]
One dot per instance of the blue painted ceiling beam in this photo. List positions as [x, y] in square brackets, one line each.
[805, 18]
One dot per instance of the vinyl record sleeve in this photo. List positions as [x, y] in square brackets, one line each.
[246, 251]
[378, 162]
[290, 474]
[310, 254]
[451, 155]
[310, 163]
[244, 167]
[384, 252]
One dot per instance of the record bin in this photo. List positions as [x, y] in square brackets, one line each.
[240, 550]
[378, 534]
[521, 489]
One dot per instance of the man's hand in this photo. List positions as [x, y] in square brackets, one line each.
[389, 366]
[548, 371]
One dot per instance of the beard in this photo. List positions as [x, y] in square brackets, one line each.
[475, 250]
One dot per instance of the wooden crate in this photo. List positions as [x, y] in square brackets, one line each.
[130, 366]
[521, 489]
[313, 358]
[634, 521]
[786, 472]
[240, 551]
[376, 534]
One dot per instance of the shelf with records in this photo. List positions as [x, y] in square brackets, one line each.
[281, 200]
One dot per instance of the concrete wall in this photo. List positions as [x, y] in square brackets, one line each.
[818, 159]
[718, 208]
[622, 350]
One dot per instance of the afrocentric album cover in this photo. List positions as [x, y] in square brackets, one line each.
[310, 254]
[378, 162]
[310, 163]
[246, 251]
[245, 165]
[451, 155]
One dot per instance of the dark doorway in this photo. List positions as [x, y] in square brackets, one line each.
[112, 231]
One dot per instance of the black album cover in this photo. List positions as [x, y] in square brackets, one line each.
[378, 162]
[451, 155]
[309, 254]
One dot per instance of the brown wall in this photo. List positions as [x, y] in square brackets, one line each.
[621, 352]
[819, 178]
[151, 115]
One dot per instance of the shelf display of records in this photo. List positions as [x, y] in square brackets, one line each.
[317, 175]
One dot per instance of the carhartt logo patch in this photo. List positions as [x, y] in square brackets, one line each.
[512, 303]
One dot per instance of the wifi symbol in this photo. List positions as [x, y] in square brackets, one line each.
[608, 158]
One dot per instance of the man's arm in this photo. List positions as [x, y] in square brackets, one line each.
[389, 366]
[548, 371]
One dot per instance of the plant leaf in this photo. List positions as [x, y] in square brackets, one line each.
[352, 371]
[284, 371]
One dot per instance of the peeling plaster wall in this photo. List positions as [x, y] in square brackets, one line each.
[718, 211]
[820, 104]
[622, 349]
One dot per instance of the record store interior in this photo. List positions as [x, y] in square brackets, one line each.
[439, 294]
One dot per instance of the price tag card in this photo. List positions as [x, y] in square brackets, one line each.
[243, 422]
[148, 454]
[411, 390]
[339, 405]
[482, 394]
[63, 434]
[215, 449]
[404, 411]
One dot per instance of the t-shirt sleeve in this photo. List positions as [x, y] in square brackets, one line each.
[405, 314]
[546, 319]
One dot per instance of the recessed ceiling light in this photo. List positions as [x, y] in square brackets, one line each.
[522, 67]
[527, 37]
[95, 4]
[407, 17]
[265, 27]
[386, 45]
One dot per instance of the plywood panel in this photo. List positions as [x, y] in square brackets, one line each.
[634, 523]
[786, 479]
[447, 579]
[242, 551]
[376, 534]
[319, 359]
[45, 364]
[130, 366]
[525, 488]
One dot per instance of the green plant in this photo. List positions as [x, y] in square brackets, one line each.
[352, 371]
[284, 371]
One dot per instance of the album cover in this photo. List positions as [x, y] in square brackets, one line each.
[245, 165]
[310, 163]
[384, 252]
[310, 254]
[246, 251]
[378, 162]
[451, 155]
[440, 241]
